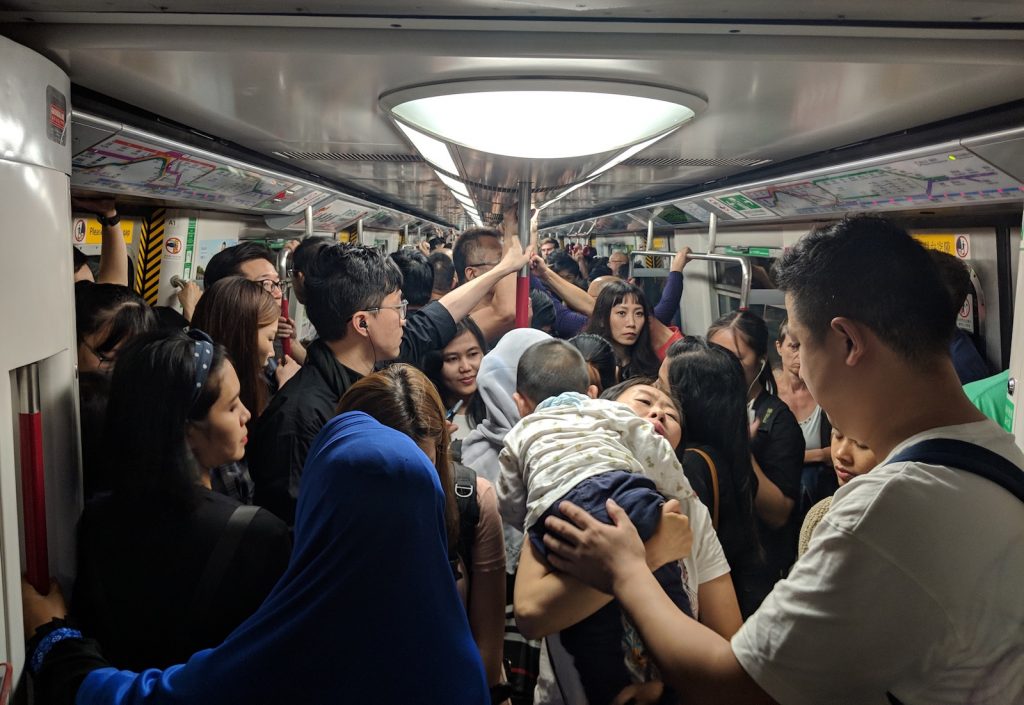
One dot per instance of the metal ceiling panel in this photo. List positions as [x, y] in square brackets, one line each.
[966, 11]
[300, 83]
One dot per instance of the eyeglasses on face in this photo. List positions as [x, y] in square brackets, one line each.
[269, 285]
[402, 309]
[104, 360]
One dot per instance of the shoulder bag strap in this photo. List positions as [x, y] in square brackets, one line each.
[220, 558]
[969, 458]
[714, 484]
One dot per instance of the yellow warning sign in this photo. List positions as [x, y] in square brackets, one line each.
[88, 231]
[951, 244]
[147, 268]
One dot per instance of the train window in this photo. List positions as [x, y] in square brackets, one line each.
[728, 275]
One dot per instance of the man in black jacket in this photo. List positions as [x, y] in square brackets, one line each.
[354, 299]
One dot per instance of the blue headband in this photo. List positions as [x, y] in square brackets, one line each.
[203, 354]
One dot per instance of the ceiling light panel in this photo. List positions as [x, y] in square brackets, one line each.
[542, 118]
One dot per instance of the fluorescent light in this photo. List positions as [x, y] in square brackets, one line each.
[464, 200]
[542, 118]
[453, 184]
[433, 150]
[628, 153]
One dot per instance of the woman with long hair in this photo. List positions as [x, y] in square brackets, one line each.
[404, 399]
[708, 383]
[621, 315]
[367, 610]
[242, 316]
[453, 370]
[165, 566]
[776, 442]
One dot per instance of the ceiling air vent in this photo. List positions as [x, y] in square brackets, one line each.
[350, 157]
[691, 161]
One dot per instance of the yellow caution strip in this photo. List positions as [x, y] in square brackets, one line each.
[151, 247]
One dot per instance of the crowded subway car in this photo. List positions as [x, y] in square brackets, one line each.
[512, 352]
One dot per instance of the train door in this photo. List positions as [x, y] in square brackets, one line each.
[38, 400]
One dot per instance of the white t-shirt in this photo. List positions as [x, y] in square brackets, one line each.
[913, 583]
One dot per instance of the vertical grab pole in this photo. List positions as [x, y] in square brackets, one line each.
[33, 488]
[650, 234]
[523, 280]
[712, 233]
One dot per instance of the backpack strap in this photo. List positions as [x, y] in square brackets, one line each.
[969, 458]
[469, 515]
[713, 471]
[219, 560]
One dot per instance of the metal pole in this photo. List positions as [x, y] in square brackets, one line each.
[650, 234]
[33, 484]
[309, 221]
[359, 231]
[712, 233]
[523, 280]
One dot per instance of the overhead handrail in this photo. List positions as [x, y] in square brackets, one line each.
[743, 262]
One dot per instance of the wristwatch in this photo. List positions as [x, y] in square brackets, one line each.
[107, 221]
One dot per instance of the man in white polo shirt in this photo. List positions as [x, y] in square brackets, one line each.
[912, 590]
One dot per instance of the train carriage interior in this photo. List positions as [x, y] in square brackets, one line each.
[732, 127]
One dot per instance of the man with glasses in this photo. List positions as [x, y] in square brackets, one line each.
[257, 263]
[354, 299]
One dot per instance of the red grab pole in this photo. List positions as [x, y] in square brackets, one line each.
[33, 486]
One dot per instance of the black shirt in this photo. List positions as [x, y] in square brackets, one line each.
[139, 568]
[283, 434]
[778, 446]
[736, 528]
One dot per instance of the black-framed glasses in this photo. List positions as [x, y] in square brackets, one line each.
[402, 309]
[104, 361]
[269, 285]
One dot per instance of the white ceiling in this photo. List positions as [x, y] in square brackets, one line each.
[309, 79]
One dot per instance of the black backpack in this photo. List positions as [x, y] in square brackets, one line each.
[469, 514]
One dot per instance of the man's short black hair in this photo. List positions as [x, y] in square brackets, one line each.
[956, 277]
[417, 276]
[444, 271]
[436, 243]
[549, 368]
[344, 279]
[562, 261]
[870, 270]
[600, 270]
[228, 262]
[307, 249]
[543, 311]
[472, 249]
